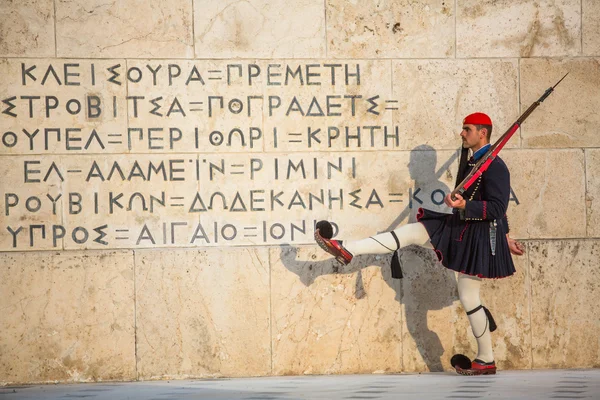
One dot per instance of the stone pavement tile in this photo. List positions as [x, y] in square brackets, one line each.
[530, 385]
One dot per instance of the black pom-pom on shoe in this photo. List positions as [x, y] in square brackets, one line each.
[460, 360]
[325, 229]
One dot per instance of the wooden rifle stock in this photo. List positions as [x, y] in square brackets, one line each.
[485, 161]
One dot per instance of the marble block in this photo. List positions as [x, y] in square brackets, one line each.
[564, 295]
[569, 116]
[591, 27]
[592, 195]
[196, 106]
[395, 29]
[434, 96]
[31, 202]
[202, 313]
[136, 200]
[124, 28]
[330, 319]
[263, 29]
[333, 105]
[63, 106]
[549, 187]
[67, 317]
[27, 28]
[523, 28]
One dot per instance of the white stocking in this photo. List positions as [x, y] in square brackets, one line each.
[468, 291]
[384, 242]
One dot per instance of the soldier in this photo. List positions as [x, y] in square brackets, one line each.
[472, 241]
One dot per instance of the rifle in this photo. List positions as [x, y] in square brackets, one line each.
[485, 161]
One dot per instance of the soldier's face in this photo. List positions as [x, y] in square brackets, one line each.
[472, 137]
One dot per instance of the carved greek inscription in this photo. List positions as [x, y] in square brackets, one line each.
[114, 154]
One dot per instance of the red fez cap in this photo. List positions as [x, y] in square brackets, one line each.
[477, 119]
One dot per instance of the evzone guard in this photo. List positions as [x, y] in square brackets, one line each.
[473, 240]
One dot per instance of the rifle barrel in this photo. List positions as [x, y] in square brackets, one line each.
[463, 185]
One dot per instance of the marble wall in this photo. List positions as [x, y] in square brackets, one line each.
[162, 165]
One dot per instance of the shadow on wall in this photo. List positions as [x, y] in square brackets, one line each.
[426, 285]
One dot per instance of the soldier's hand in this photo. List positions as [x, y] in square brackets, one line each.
[458, 203]
[515, 247]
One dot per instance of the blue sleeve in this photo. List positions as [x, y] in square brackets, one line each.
[495, 187]
[505, 222]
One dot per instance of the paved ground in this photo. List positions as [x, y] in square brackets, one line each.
[554, 384]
